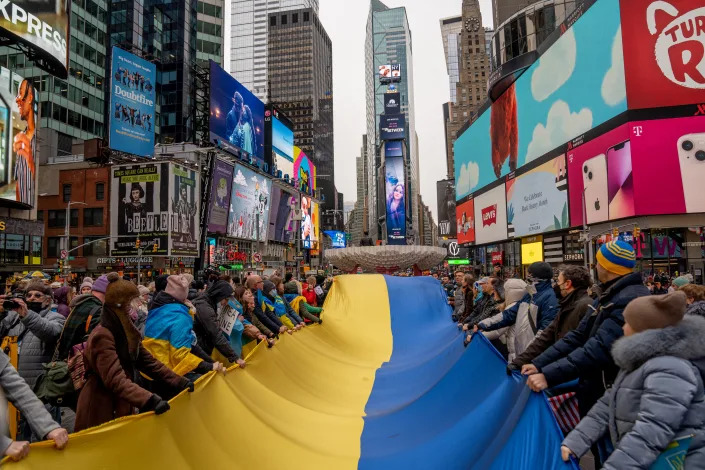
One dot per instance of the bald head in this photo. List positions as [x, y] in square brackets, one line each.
[253, 281]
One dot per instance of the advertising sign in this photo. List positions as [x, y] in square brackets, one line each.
[44, 26]
[392, 103]
[395, 201]
[491, 216]
[283, 147]
[305, 172]
[576, 85]
[389, 73]
[249, 205]
[465, 221]
[185, 201]
[337, 238]
[392, 127]
[664, 41]
[393, 148]
[309, 220]
[18, 140]
[132, 104]
[281, 220]
[537, 201]
[221, 186]
[237, 116]
[445, 197]
[531, 252]
[139, 206]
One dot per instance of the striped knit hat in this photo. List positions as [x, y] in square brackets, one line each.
[617, 257]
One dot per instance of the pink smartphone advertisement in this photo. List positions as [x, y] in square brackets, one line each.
[669, 165]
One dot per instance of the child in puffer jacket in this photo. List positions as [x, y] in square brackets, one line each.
[514, 291]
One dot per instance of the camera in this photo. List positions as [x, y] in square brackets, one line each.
[9, 302]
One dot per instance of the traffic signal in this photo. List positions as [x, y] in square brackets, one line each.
[155, 247]
[636, 232]
[137, 243]
[615, 233]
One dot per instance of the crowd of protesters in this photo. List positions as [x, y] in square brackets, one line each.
[631, 349]
[112, 348]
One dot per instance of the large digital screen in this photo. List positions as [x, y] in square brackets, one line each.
[18, 140]
[465, 221]
[395, 191]
[537, 200]
[282, 226]
[305, 172]
[664, 43]
[185, 201]
[249, 205]
[44, 26]
[237, 116]
[221, 187]
[577, 84]
[445, 197]
[337, 238]
[282, 147]
[132, 104]
[392, 127]
[309, 222]
[393, 148]
[490, 216]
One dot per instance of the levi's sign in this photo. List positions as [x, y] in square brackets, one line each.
[489, 215]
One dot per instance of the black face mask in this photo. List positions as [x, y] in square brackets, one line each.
[36, 307]
[557, 290]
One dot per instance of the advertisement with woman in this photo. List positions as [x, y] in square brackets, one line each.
[221, 185]
[249, 205]
[184, 211]
[395, 201]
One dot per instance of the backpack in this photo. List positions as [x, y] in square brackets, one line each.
[75, 362]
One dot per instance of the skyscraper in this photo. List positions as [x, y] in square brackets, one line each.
[300, 58]
[388, 41]
[248, 39]
[209, 32]
[474, 70]
[450, 32]
[504, 9]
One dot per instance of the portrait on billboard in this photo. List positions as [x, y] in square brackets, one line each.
[465, 221]
[445, 196]
[132, 104]
[574, 86]
[236, 115]
[18, 116]
[221, 185]
[307, 233]
[184, 211]
[395, 201]
[249, 205]
[281, 219]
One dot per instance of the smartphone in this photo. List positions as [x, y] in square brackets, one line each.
[596, 192]
[691, 156]
[620, 181]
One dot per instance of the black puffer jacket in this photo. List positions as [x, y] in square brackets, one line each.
[205, 324]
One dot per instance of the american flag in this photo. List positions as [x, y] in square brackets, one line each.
[565, 408]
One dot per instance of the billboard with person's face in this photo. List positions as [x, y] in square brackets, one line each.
[185, 199]
[132, 104]
[221, 185]
[18, 141]
[395, 196]
[249, 205]
[43, 26]
[282, 225]
[576, 85]
[236, 115]
[445, 197]
[308, 233]
[664, 44]
[465, 222]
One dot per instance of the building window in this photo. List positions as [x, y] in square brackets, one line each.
[56, 219]
[283, 19]
[272, 21]
[40, 216]
[93, 217]
[295, 18]
[306, 16]
[99, 191]
[99, 247]
[67, 192]
[53, 247]
[74, 218]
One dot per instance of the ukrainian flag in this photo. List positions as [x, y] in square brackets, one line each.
[168, 336]
[384, 383]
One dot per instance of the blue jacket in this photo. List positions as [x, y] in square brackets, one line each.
[585, 352]
[546, 301]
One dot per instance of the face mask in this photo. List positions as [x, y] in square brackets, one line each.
[35, 306]
[531, 289]
[219, 309]
[273, 292]
[557, 290]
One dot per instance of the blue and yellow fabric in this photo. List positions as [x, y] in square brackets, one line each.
[384, 383]
[277, 306]
[241, 344]
[168, 336]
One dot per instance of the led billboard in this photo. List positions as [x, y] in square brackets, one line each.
[236, 115]
[392, 127]
[395, 191]
[249, 205]
[282, 225]
[132, 104]
[305, 172]
[282, 147]
[221, 187]
[445, 197]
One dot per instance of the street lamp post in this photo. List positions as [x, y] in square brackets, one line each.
[68, 235]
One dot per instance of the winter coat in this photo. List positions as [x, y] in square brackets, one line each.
[61, 299]
[310, 295]
[584, 353]
[573, 308]
[112, 367]
[307, 312]
[514, 291]
[486, 308]
[696, 308]
[20, 394]
[207, 330]
[459, 303]
[526, 327]
[657, 397]
[266, 315]
[78, 325]
[38, 333]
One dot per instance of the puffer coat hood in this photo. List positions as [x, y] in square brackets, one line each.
[514, 291]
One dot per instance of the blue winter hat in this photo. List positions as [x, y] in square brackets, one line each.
[617, 257]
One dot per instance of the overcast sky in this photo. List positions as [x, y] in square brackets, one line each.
[345, 21]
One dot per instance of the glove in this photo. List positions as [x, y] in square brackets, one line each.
[156, 404]
[454, 317]
[511, 368]
[188, 385]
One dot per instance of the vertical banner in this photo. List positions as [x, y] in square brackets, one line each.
[304, 172]
[139, 206]
[249, 205]
[465, 222]
[132, 104]
[184, 211]
[307, 230]
[445, 193]
[281, 219]
[396, 201]
[221, 187]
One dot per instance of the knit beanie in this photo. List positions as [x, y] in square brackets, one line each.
[143, 290]
[291, 288]
[188, 277]
[119, 292]
[655, 311]
[88, 279]
[160, 283]
[177, 287]
[86, 284]
[617, 257]
[541, 270]
[100, 284]
[268, 287]
[220, 290]
[681, 281]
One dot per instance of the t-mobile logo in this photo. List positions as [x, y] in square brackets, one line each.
[638, 130]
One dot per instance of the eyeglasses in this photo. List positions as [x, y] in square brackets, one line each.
[34, 295]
